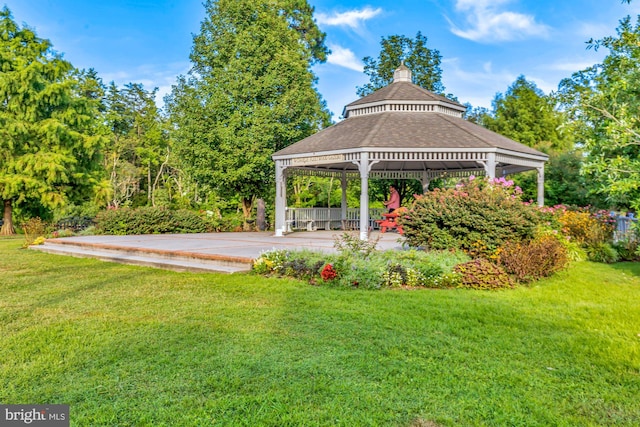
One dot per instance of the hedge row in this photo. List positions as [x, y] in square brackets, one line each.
[150, 220]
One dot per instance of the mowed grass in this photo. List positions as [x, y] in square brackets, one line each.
[130, 346]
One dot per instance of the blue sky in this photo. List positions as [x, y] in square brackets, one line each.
[485, 44]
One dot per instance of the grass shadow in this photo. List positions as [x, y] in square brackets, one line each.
[631, 268]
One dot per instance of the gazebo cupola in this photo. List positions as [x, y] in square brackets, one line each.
[402, 74]
[402, 131]
[403, 96]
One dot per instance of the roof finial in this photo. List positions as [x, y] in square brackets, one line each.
[402, 73]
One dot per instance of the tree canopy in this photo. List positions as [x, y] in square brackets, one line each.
[138, 150]
[250, 93]
[49, 138]
[423, 62]
[604, 102]
[525, 114]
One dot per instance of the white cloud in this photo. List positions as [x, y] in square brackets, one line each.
[344, 57]
[587, 30]
[151, 76]
[543, 84]
[571, 67]
[477, 87]
[487, 22]
[352, 18]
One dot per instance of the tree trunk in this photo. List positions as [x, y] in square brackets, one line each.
[247, 209]
[261, 215]
[149, 184]
[7, 226]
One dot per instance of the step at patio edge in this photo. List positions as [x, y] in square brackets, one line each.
[157, 258]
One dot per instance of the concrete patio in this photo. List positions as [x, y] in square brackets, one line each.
[221, 252]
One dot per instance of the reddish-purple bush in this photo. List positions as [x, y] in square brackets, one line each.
[533, 260]
[483, 274]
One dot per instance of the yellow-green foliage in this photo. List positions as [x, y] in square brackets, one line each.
[583, 226]
[33, 229]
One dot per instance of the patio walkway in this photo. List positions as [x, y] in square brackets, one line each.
[222, 252]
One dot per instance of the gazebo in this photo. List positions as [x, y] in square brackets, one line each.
[401, 131]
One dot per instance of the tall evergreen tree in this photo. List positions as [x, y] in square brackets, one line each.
[250, 93]
[423, 62]
[49, 139]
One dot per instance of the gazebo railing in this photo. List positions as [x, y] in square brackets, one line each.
[312, 219]
[624, 227]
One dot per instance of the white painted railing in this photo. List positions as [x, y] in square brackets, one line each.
[312, 219]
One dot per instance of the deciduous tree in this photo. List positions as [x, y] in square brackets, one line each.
[250, 92]
[139, 151]
[423, 62]
[604, 101]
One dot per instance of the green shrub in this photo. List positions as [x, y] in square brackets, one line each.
[478, 217]
[483, 274]
[359, 272]
[628, 249]
[533, 260]
[602, 252]
[351, 243]
[441, 261]
[150, 220]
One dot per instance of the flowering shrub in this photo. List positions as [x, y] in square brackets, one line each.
[263, 265]
[591, 231]
[328, 273]
[33, 229]
[271, 262]
[39, 240]
[478, 216]
[379, 269]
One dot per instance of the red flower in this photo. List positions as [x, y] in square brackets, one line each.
[328, 273]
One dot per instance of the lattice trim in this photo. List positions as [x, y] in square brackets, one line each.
[428, 156]
[510, 160]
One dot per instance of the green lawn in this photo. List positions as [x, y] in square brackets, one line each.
[135, 346]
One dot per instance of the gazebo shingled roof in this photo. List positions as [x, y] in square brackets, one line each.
[405, 91]
[402, 131]
[406, 130]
